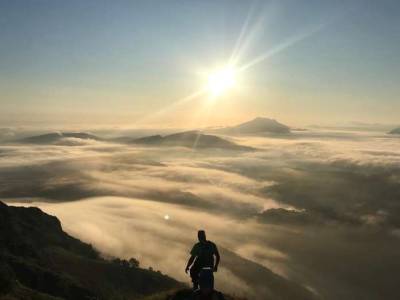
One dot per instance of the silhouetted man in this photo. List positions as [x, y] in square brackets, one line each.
[201, 262]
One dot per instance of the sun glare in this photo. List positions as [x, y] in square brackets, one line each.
[221, 80]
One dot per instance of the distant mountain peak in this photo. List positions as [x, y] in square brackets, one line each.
[262, 120]
[257, 125]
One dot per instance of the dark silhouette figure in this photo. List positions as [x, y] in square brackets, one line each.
[202, 264]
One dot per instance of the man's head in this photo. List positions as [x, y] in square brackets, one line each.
[201, 234]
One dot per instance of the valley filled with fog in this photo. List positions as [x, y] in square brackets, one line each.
[317, 207]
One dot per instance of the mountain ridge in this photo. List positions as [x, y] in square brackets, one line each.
[190, 139]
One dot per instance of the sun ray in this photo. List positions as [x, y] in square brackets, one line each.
[173, 105]
[243, 38]
[283, 46]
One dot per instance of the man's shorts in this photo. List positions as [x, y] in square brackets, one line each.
[206, 278]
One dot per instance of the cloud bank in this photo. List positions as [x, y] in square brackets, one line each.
[318, 208]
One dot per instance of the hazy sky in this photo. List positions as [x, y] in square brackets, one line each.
[130, 62]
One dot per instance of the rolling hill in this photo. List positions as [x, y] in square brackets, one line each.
[190, 139]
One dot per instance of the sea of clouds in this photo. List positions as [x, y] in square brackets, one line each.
[321, 208]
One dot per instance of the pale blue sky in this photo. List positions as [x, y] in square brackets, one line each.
[121, 61]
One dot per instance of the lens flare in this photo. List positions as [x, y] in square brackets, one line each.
[221, 80]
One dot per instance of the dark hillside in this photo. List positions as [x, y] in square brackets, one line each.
[38, 260]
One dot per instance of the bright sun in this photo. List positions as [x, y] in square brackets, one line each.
[221, 80]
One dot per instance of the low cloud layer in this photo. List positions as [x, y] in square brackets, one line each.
[318, 208]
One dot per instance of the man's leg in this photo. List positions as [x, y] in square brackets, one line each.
[194, 274]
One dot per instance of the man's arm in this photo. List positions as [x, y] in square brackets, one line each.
[190, 262]
[217, 259]
[193, 255]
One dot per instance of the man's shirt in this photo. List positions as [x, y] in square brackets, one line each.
[204, 251]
